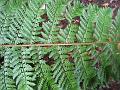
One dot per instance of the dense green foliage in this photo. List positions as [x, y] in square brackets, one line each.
[80, 67]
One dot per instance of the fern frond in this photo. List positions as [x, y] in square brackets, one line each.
[55, 10]
[20, 26]
[45, 77]
[10, 6]
[6, 36]
[116, 28]
[49, 33]
[83, 67]
[86, 29]
[67, 35]
[63, 69]
[30, 18]
[22, 69]
[104, 64]
[74, 9]
[42, 74]
[103, 24]
[115, 63]
[6, 80]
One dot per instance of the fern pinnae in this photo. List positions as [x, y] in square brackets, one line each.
[62, 76]
[116, 28]
[54, 14]
[103, 27]
[86, 29]
[7, 82]
[42, 71]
